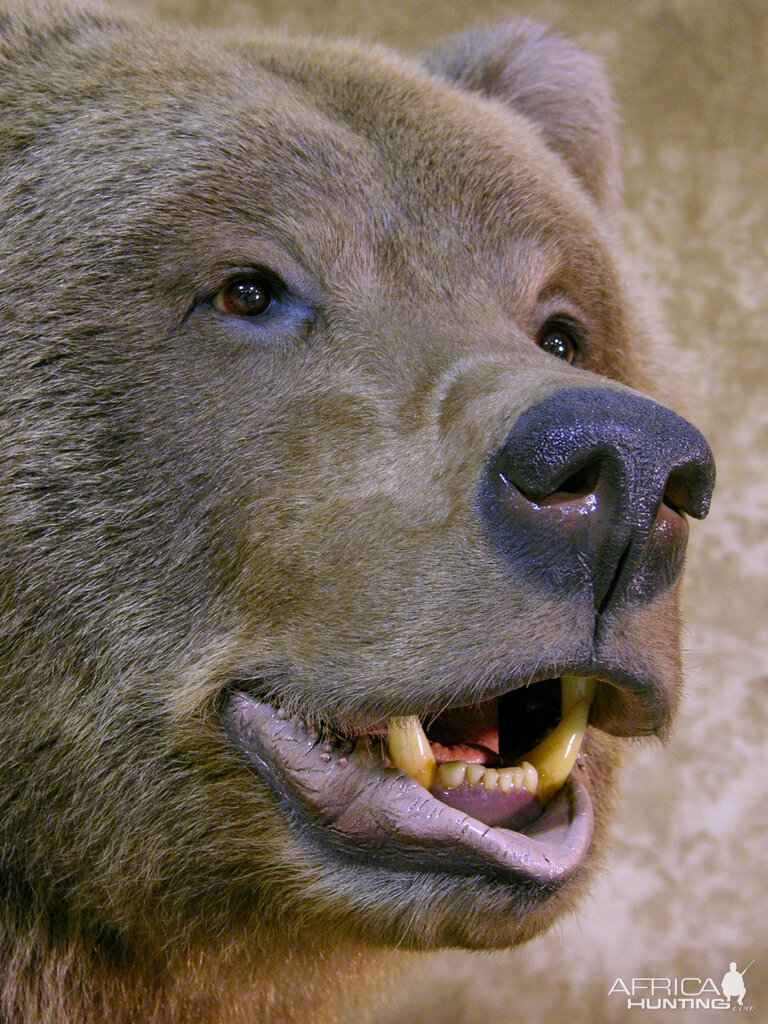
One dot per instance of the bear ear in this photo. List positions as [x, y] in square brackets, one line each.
[551, 81]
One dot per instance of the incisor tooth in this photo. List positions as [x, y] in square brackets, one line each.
[511, 778]
[553, 758]
[451, 774]
[530, 780]
[409, 749]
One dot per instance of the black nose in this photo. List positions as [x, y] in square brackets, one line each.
[590, 489]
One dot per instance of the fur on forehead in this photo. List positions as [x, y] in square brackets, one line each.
[559, 89]
[562, 89]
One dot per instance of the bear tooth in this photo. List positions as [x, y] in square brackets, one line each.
[511, 778]
[530, 779]
[554, 757]
[451, 774]
[409, 749]
[575, 688]
[543, 772]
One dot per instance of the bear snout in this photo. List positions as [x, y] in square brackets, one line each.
[591, 489]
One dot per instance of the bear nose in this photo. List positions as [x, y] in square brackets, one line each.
[591, 488]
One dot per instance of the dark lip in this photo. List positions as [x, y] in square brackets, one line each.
[631, 700]
[360, 809]
[628, 703]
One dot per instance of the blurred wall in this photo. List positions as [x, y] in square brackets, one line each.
[687, 889]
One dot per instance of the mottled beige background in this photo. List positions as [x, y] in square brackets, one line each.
[687, 889]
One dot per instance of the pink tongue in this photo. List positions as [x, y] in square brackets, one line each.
[507, 810]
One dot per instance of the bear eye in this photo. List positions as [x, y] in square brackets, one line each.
[560, 337]
[248, 295]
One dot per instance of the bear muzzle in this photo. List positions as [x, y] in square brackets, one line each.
[590, 492]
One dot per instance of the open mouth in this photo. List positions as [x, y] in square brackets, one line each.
[500, 787]
[478, 759]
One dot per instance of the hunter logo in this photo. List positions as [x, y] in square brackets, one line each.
[733, 983]
[689, 993]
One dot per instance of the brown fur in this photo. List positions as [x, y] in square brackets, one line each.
[183, 505]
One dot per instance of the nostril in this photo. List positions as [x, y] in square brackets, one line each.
[677, 493]
[582, 482]
[579, 484]
[548, 488]
[576, 494]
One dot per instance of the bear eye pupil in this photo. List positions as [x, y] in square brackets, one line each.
[250, 296]
[557, 345]
[559, 340]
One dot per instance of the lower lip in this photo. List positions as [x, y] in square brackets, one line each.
[359, 808]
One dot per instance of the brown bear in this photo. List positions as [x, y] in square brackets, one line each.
[339, 535]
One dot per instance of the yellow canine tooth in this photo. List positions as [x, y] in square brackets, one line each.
[573, 689]
[409, 749]
[554, 757]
